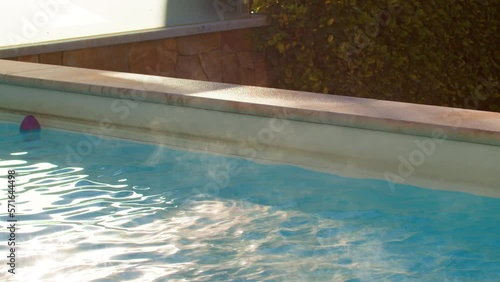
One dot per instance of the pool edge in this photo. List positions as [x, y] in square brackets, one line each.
[413, 119]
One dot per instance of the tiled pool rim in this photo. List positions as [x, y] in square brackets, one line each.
[468, 126]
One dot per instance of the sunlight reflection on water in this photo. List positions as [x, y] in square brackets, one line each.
[116, 218]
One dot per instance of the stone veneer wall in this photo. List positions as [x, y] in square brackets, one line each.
[227, 56]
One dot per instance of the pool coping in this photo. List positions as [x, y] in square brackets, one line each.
[256, 20]
[387, 116]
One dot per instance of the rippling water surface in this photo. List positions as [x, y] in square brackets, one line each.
[121, 211]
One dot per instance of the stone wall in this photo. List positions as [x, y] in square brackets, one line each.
[227, 56]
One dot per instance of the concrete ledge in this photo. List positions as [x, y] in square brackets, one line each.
[420, 120]
[133, 36]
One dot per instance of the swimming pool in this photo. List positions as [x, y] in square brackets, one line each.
[305, 186]
[141, 212]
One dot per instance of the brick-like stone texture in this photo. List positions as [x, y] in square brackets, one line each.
[259, 57]
[261, 77]
[29, 59]
[245, 59]
[156, 57]
[227, 56]
[195, 44]
[112, 58]
[51, 58]
[211, 63]
[247, 76]
[189, 67]
[238, 40]
[230, 69]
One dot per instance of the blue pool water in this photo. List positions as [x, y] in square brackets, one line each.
[123, 211]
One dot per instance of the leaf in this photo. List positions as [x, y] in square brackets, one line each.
[330, 39]
[281, 47]
[429, 52]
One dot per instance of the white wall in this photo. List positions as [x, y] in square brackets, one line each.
[35, 21]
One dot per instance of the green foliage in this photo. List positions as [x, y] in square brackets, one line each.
[422, 51]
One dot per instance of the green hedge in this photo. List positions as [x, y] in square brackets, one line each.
[440, 52]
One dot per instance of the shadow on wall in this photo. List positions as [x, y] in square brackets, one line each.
[200, 11]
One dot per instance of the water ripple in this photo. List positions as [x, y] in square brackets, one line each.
[145, 217]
